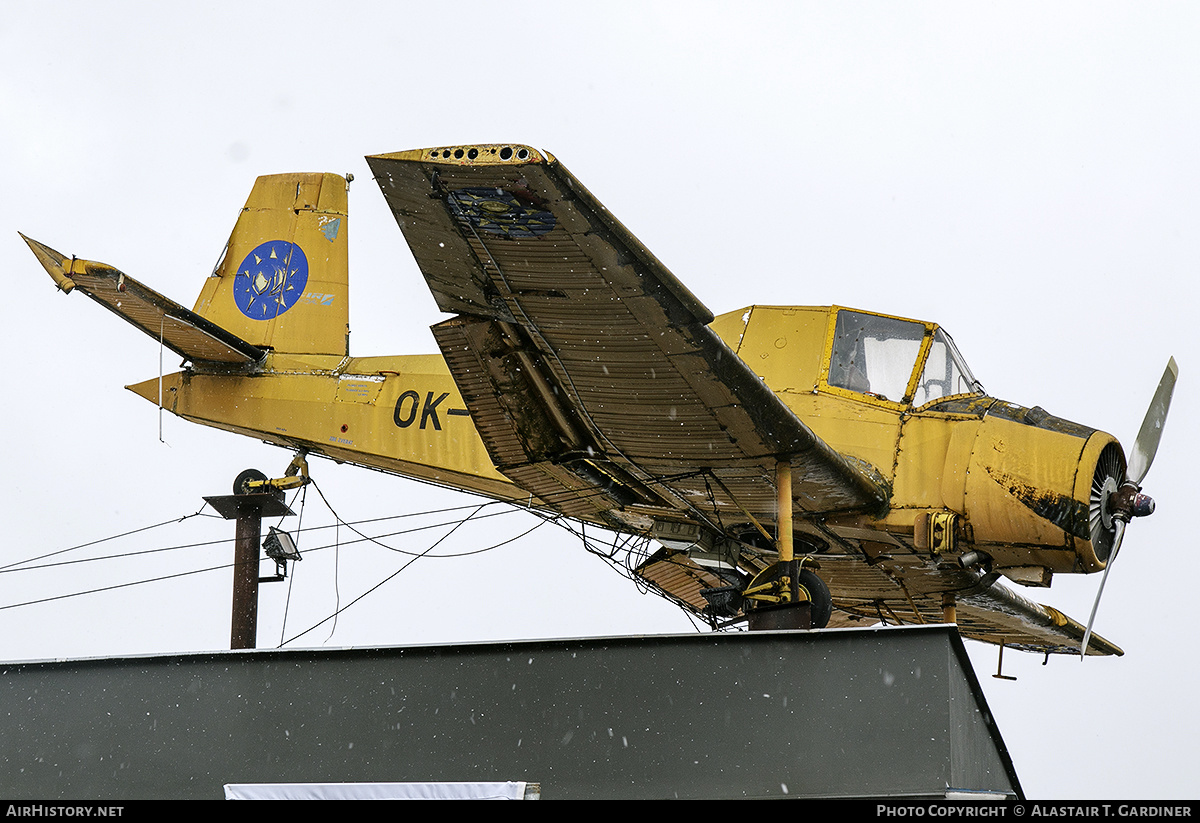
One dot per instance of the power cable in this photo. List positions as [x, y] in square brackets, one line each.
[101, 540]
[390, 577]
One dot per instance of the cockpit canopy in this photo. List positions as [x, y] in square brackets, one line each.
[902, 361]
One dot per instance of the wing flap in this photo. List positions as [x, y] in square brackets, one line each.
[179, 329]
[589, 356]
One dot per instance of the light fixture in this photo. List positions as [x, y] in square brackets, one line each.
[280, 547]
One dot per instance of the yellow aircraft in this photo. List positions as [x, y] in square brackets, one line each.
[800, 466]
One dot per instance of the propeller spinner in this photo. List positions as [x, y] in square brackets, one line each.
[1116, 499]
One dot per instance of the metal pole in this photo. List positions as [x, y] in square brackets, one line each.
[244, 633]
[248, 509]
[949, 610]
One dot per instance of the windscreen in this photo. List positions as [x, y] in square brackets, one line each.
[945, 373]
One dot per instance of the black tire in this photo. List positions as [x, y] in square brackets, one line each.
[819, 597]
[240, 482]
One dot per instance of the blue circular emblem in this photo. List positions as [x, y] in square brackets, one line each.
[514, 214]
[270, 280]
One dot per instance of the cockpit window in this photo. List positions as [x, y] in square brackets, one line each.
[877, 356]
[874, 355]
[945, 373]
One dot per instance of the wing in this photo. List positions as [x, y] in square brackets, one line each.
[179, 329]
[898, 584]
[997, 614]
[868, 593]
[589, 370]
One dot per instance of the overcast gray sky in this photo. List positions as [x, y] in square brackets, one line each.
[1023, 173]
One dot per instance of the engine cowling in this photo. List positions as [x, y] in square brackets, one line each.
[1035, 490]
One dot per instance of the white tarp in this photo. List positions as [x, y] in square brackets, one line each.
[376, 791]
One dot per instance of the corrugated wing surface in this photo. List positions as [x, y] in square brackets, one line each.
[588, 368]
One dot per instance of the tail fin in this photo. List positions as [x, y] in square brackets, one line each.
[282, 283]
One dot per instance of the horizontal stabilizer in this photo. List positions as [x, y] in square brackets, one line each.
[179, 329]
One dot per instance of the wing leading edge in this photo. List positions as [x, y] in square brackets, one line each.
[589, 369]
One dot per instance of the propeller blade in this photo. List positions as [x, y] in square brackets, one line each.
[1144, 448]
[1140, 458]
[1119, 528]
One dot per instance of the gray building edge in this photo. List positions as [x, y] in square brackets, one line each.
[886, 712]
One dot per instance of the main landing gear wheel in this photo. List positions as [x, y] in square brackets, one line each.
[821, 602]
[776, 598]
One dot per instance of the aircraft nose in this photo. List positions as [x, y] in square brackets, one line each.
[1128, 502]
[1141, 506]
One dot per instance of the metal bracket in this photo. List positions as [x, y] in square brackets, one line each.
[1000, 666]
[943, 532]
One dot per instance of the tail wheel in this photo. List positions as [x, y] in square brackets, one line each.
[240, 483]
